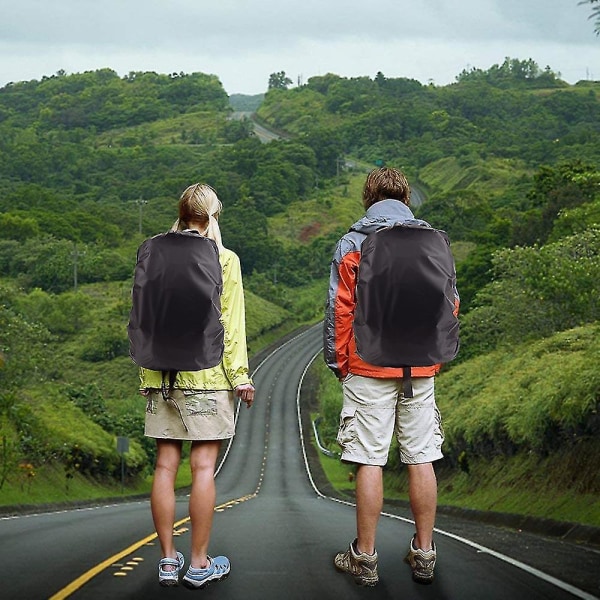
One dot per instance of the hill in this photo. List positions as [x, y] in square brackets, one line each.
[93, 163]
[245, 103]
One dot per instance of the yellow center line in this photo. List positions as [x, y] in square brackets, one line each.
[85, 577]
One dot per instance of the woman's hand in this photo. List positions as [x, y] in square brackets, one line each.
[246, 393]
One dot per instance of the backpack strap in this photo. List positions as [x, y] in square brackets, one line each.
[166, 393]
[166, 390]
[407, 389]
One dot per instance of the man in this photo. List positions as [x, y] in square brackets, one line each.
[374, 405]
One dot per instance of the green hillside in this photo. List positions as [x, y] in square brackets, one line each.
[508, 160]
[521, 430]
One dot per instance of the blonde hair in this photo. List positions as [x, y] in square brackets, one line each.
[385, 183]
[200, 205]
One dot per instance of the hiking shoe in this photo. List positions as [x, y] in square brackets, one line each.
[170, 577]
[362, 566]
[218, 568]
[421, 562]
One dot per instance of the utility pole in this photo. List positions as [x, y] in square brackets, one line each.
[75, 254]
[140, 203]
[122, 448]
[339, 163]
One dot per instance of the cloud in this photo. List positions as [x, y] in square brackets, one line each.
[190, 23]
[243, 42]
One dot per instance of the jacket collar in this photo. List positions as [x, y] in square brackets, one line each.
[384, 214]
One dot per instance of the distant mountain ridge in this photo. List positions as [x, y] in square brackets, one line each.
[246, 103]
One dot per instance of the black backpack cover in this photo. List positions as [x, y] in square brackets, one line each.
[405, 298]
[174, 324]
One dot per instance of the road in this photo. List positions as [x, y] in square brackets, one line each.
[265, 135]
[262, 133]
[278, 530]
[417, 196]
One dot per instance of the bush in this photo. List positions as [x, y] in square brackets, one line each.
[106, 343]
[536, 291]
[72, 438]
[533, 397]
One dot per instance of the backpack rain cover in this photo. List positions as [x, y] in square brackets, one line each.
[405, 298]
[174, 324]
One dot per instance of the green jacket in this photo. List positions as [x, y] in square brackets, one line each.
[233, 368]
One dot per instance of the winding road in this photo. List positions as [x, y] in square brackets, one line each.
[262, 133]
[279, 531]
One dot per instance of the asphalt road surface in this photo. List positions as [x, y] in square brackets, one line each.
[279, 532]
[263, 133]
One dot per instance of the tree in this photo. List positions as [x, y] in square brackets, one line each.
[512, 71]
[279, 81]
[463, 214]
[535, 292]
[555, 188]
[595, 13]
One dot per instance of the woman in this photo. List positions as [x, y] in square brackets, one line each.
[204, 413]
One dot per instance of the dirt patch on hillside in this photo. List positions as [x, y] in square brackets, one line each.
[309, 231]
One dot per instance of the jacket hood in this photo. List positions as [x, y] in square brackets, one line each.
[384, 214]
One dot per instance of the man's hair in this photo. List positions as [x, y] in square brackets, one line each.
[385, 183]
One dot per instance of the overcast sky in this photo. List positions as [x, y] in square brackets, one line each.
[243, 42]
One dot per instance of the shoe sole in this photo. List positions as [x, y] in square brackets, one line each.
[363, 583]
[192, 585]
[357, 579]
[416, 578]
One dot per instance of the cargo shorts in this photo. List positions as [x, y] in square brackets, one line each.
[375, 409]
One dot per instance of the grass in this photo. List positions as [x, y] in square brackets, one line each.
[526, 484]
[331, 210]
[460, 250]
[520, 485]
[339, 474]
[49, 485]
[491, 178]
[553, 390]
[54, 425]
[551, 383]
[198, 127]
[262, 315]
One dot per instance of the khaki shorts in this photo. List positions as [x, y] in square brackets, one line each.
[374, 409]
[190, 415]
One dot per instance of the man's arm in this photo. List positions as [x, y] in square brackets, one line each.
[339, 310]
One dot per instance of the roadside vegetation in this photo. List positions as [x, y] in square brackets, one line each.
[520, 425]
[508, 159]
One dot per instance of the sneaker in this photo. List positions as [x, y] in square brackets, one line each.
[362, 566]
[218, 568]
[170, 577]
[421, 562]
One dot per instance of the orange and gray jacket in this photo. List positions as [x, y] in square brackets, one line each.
[339, 345]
